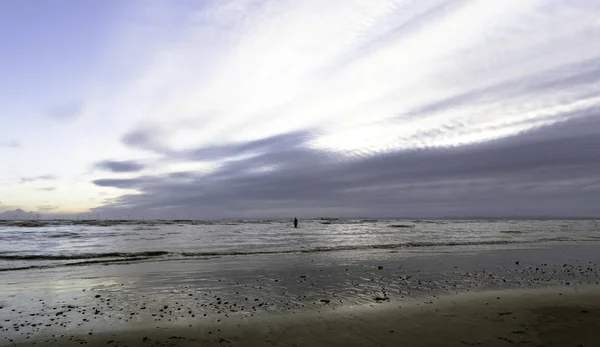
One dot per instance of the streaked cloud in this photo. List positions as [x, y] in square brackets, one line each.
[118, 183]
[120, 166]
[550, 171]
[46, 177]
[380, 107]
[359, 76]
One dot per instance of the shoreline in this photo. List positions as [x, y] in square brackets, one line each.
[290, 299]
[76, 245]
[561, 316]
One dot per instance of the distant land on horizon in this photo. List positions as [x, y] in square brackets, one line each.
[5, 216]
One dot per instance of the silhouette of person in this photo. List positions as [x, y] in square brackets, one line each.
[295, 222]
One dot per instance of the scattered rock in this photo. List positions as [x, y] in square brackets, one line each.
[505, 339]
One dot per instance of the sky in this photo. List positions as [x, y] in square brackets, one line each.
[282, 108]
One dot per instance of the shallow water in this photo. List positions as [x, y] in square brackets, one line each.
[161, 294]
[42, 244]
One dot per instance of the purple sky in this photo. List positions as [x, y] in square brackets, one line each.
[268, 108]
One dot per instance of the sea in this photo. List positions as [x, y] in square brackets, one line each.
[95, 276]
[42, 244]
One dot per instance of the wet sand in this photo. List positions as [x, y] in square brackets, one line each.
[557, 317]
[538, 297]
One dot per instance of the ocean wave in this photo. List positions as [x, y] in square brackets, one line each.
[56, 260]
[155, 254]
[142, 224]
[357, 248]
[79, 263]
[511, 231]
[430, 221]
[559, 238]
[81, 256]
[67, 234]
[22, 268]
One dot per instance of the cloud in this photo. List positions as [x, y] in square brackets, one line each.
[47, 207]
[264, 145]
[66, 112]
[551, 170]
[38, 178]
[10, 144]
[48, 189]
[17, 214]
[119, 183]
[147, 137]
[366, 78]
[120, 166]
[382, 107]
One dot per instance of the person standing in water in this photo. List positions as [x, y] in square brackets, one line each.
[295, 222]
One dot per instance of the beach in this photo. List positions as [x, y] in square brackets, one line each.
[489, 294]
[534, 317]
[299, 173]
